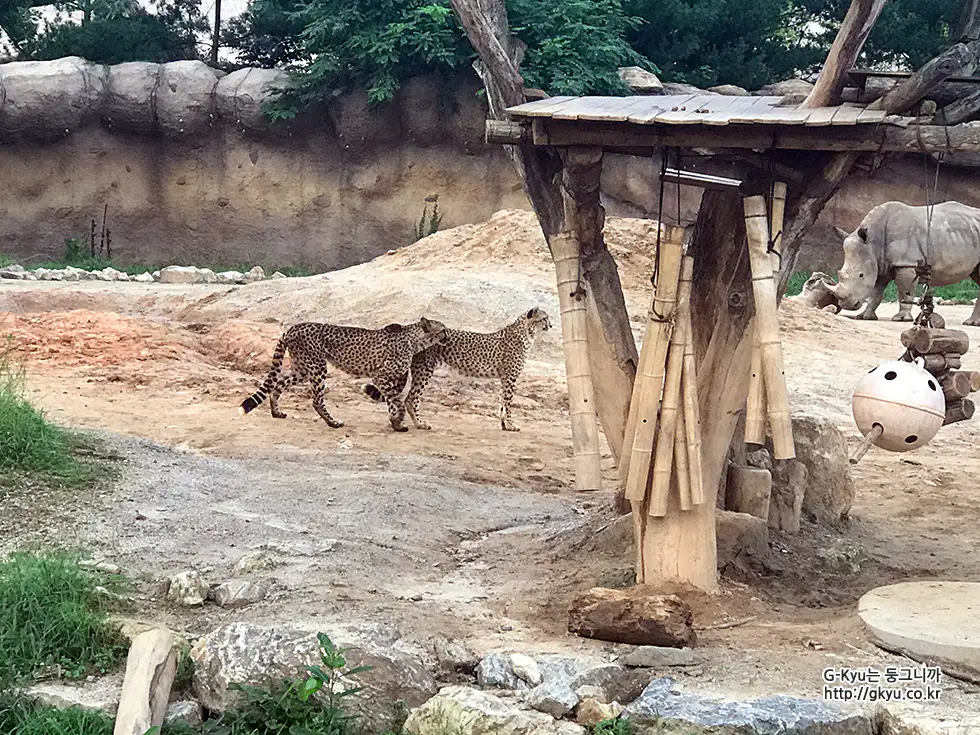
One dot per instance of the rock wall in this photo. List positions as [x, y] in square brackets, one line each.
[192, 171]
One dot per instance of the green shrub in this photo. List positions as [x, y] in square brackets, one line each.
[53, 617]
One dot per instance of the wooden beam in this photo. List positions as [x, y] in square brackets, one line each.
[844, 52]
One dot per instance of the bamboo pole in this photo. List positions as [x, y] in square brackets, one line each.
[682, 473]
[690, 427]
[641, 425]
[767, 322]
[578, 370]
[664, 452]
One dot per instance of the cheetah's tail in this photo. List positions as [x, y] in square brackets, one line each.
[256, 399]
[373, 393]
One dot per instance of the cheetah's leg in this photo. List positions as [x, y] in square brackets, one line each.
[284, 383]
[421, 373]
[508, 382]
[318, 379]
[391, 387]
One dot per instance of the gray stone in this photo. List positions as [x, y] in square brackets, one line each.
[13, 272]
[495, 670]
[742, 539]
[181, 274]
[258, 655]
[789, 479]
[239, 593]
[760, 459]
[654, 657]
[785, 88]
[586, 691]
[555, 698]
[664, 704]
[730, 90]
[603, 675]
[185, 97]
[99, 695]
[187, 589]
[821, 447]
[185, 712]
[461, 710]
[454, 657]
[640, 81]
[129, 100]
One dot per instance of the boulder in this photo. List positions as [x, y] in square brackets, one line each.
[254, 654]
[591, 712]
[185, 98]
[497, 671]
[454, 657]
[241, 95]
[187, 589]
[821, 447]
[129, 103]
[664, 705]
[47, 100]
[229, 277]
[143, 278]
[255, 561]
[742, 539]
[789, 480]
[679, 88]
[255, 274]
[640, 81]
[13, 272]
[181, 274]
[464, 711]
[525, 668]
[238, 593]
[555, 698]
[730, 90]
[787, 87]
[636, 615]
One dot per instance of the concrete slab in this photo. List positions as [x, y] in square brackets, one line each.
[931, 622]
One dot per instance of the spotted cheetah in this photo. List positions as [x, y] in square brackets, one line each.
[384, 355]
[499, 354]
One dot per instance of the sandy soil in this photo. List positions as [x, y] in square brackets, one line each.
[479, 532]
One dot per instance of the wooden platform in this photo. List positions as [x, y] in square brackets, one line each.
[693, 109]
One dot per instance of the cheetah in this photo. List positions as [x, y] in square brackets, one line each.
[499, 354]
[384, 355]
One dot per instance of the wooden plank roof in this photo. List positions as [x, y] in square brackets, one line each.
[693, 109]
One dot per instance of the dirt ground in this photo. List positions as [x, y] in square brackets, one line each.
[464, 530]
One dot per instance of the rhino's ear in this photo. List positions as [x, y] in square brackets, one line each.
[863, 233]
[843, 233]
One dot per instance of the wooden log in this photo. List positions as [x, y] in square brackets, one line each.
[957, 385]
[961, 410]
[903, 96]
[506, 132]
[967, 28]
[866, 443]
[974, 381]
[641, 427]
[767, 321]
[680, 548]
[941, 341]
[749, 491]
[692, 411]
[578, 369]
[939, 364]
[150, 670]
[637, 616]
[670, 405]
[844, 52]
[962, 110]
[683, 475]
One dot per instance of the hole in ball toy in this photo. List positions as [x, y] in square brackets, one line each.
[932, 385]
[891, 375]
[912, 439]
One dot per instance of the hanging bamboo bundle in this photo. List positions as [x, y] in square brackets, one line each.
[641, 426]
[767, 324]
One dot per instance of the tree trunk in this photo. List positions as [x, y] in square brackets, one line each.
[968, 26]
[216, 38]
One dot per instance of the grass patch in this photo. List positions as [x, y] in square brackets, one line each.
[963, 292]
[19, 716]
[55, 619]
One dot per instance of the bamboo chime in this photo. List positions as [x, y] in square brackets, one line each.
[664, 428]
[768, 396]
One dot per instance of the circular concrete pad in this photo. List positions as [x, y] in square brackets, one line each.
[928, 621]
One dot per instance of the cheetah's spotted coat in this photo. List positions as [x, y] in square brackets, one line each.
[384, 355]
[499, 354]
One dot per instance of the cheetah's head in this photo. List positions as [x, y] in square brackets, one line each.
[434, 332]
[537, 321]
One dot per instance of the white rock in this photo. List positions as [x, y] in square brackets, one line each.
[187, 589]
[278, 274]
[208, 275]
[143, 278]
[79, 274]
[100, 695]
[13, 272]
[255, 561]
[185, 712]
[230, 277]
[239, 593]
[525, 668]
[111, 274]
[181, 274]
[255, 274]
[155, 275]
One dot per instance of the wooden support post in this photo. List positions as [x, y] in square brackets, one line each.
[671, 404]
[641, 427]
[150, 670]
[690, 425]
[767, 322]
[578, 369]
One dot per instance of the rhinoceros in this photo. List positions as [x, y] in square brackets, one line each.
[889, 243]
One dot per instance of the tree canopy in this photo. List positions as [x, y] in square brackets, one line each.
[573, 46]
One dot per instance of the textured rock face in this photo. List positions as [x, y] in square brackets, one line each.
[253, 654]
[240, 96]
[821, 448]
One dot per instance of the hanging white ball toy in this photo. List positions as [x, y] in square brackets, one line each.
[901, 404]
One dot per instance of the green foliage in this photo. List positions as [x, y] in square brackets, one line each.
[428, 227]
[28, 443]
[289, 707]
[267, 34]
[19, 716]
[963, 292]
[615, 726]
[52, 617]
